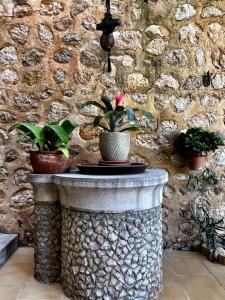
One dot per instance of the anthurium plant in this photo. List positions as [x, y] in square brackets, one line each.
[115, 117]
[52, 137]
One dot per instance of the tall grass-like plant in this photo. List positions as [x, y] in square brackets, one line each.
[197, 211]
[210, 227]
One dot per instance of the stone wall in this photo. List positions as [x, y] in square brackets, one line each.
[50, 60]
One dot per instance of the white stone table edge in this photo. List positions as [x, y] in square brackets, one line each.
[108, 194]
[148, 178]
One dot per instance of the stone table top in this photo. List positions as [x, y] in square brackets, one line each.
[150, 177]
[114, 194]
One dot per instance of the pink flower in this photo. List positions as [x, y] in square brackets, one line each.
[119, 98]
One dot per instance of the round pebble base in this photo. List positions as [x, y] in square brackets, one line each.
[112, 256]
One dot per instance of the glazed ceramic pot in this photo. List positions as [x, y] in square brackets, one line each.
[49, 162]
[114, 145]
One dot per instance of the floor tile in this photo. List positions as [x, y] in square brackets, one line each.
[172, 293]
[39, 291]
[169, 276]
[10, 292]
[187, 265]
[216, 269]
[212, 267]
[203, 288]
[15, 273]
[23, 255]
[187, 276]
[63, 297]
[188, 254]
[220, 277]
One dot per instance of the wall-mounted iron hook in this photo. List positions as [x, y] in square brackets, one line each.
[207, 79]
[107, 26]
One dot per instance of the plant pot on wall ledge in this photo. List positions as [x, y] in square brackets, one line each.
[49, 162]
[196, 161]
[194, 144]
[114, 145]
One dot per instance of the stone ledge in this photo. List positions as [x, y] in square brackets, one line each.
[8, 245]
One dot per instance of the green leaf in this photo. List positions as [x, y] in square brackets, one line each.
[148, 116]
[131, 116]
[27, 128]
[23, 137]
[133, 129]
[31, 130]
[97, 122]
[69, 126]
[95, 103]
[115, 119]
[107, 102]
[64, 150]
[37, 141]
[58, 130]
[218, 221]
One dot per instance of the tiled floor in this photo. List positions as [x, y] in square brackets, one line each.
[187, 276]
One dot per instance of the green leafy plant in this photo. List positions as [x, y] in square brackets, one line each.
[52, 137]
[116, 118]
[204, 182]
[197, 140]
[209, 227]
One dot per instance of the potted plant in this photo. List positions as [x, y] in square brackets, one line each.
[210, 229]
[198, 212]
[53, 155]
[116, 121]
[194, 144]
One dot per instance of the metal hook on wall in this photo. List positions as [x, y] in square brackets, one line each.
[107, 26]
[207, 79]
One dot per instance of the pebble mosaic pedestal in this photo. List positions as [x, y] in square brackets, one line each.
[101, 236]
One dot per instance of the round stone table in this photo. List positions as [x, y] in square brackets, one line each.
[100, 236]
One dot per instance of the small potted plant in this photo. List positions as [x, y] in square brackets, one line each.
[53, 154]
[194, 144]
[116, 122]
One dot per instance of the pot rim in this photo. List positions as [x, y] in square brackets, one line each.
[47, 152]
[114, 132]
[196, 154]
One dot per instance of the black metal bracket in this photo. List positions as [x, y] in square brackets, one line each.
[207, 79]
[107, 26]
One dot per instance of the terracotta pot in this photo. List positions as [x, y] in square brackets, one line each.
[114, 145]
[221, 259]
[195, 161]
[204, 251]
[49, 162]
[209, 253]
